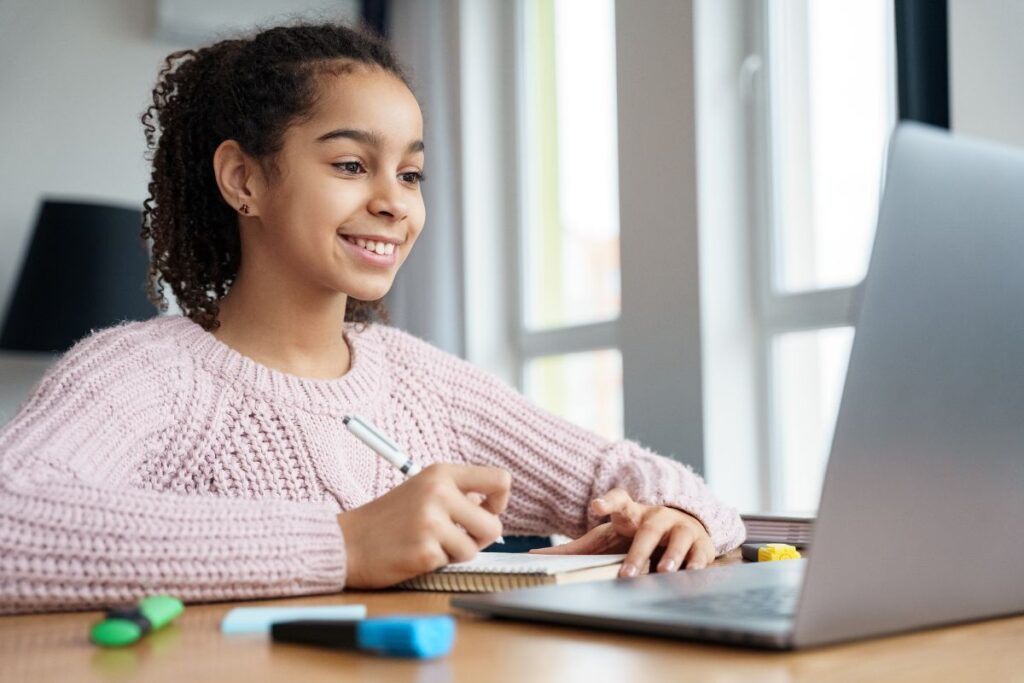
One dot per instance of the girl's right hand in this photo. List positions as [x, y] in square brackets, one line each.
[426, 522]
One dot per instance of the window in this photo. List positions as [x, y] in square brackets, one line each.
[585, 388]
[568, 236]
[821, 126]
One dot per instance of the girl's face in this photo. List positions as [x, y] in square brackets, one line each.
[345, 207]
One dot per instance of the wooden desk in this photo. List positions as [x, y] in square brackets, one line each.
[55, 648]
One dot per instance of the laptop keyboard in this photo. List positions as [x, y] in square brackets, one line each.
[767, 601]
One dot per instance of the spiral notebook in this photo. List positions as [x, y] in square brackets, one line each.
[492, 572]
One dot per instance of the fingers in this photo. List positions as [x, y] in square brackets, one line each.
[681, 540]
[459, 523]
[702, 553]
[457, 544]
[686, 548]
[648, 535]
[625, 513]
[483, 526]
[492, 482]
[616, 500]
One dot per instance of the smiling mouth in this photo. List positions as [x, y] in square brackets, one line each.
[379, 248]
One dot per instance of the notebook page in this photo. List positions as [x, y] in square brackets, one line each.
[525, 563]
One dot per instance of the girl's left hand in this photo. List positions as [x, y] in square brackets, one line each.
[642, 529]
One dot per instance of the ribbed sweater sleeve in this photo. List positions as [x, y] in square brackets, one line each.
[74, 534]
[558, 468]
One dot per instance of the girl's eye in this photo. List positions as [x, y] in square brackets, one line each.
[412, 177]
[352, 167]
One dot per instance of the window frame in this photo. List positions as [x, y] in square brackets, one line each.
[658, 330]
[531, 344]
[780, 312]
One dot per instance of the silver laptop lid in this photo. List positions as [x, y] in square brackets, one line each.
[923, 501]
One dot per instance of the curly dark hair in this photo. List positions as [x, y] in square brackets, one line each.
[249, 90]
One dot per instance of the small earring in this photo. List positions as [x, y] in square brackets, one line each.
[244, 209]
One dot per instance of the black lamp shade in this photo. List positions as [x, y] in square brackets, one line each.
[85, 269]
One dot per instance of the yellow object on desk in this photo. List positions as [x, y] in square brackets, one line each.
[777, 551]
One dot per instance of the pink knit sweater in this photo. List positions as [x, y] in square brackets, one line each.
[154, 458]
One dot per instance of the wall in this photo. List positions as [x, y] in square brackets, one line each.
[986, 57]
[427, 296]
[75, 76]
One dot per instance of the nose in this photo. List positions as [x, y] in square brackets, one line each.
[387, 201]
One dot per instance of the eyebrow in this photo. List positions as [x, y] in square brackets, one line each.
[368, 137]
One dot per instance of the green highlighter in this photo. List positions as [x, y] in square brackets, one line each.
[125, 626]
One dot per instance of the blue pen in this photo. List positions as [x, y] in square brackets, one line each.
[420, 637]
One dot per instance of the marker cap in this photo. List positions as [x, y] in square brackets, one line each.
[115, 632]
[410, 636]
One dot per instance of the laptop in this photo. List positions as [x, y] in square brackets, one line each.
[922, 507]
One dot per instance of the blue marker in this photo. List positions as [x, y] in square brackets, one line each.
[421, 637]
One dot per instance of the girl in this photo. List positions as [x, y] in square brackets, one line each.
[204, 455]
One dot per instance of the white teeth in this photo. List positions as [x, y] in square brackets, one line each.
[382, 248]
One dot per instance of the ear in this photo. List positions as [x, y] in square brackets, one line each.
[238, 177]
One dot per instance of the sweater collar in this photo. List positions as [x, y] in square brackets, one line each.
[337, 396]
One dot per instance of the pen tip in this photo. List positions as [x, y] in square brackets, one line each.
[344, 420]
